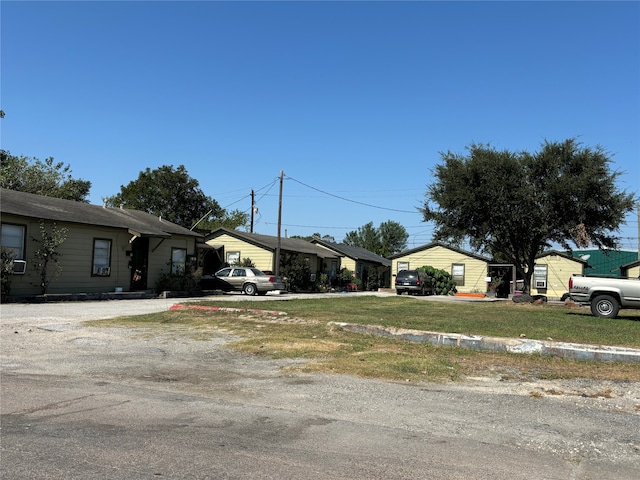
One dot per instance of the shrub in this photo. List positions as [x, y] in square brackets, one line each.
[245, 262]
[182, 282]
[374, 278]
[8, 256]
[442, 281]
[295, 269]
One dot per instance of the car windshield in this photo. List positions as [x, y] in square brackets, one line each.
[256, 271]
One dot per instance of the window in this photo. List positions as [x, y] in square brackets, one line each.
[178, 261]
[233, 258]
[13, 239]
[224, 272]
[101, 257]
[457, 272]
[540, 276]
[403, 266]
[239, 272]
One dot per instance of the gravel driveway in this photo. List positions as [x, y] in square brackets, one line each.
[87, 402]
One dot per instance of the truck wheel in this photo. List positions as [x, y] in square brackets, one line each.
[250, 289]
[605, 306]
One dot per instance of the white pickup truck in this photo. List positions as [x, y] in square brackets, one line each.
[605, 295]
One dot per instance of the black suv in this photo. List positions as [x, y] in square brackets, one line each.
[414, 282]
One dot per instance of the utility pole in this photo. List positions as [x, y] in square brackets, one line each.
[253, 209]
[277, 269]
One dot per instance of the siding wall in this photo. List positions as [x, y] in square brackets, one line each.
[262, 258]
[442, 258]
[77, 259]
[633, 272]
[559, 270]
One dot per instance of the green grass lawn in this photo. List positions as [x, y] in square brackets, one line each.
[499, 319]
[307, 332]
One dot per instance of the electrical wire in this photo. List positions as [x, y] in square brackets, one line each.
[348, 199]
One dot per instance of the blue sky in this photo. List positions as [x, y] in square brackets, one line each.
[353, 101]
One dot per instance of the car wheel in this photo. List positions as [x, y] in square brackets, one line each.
[605, 306]
[398, 292]
[250, 289]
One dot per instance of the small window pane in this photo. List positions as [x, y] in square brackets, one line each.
[13, 239]
[101, 257]
[457, 272]
[233, 258]
[178, 261]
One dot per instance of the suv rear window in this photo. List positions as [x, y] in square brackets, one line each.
[407, 273]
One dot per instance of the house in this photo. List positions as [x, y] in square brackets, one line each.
[105, 250]
[631, 270]
[606, 262]
[227, 247]
[359, 260]
[552, 271]
[467, 269]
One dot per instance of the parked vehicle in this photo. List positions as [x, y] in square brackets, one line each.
[606, 296]
[414, 282]
[244, 279]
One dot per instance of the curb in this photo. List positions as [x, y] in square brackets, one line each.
[573, 351]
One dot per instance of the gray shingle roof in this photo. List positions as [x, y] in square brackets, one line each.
[357, 253]
[440, 244]
[59, 210]
[271, 242]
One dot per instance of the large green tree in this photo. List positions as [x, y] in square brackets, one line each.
[172, 194]
[48, 178]
[514, 205]
[389, 238]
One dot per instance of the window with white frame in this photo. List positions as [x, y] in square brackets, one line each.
[13, 239]
[101, 257]
[233, 258]
[540, 276]
[457, 273]
[178, 260]
[403, 266]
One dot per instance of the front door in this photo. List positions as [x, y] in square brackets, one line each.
[139, 263]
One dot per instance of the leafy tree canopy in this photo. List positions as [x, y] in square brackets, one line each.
[514, 205]
[325, 238]
[386, 240]
[172, 194]
[48, 178]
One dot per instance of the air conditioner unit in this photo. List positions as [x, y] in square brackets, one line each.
[102, 271]
[19, 267]
[541, 284]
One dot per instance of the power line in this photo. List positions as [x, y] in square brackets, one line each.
[348, 199]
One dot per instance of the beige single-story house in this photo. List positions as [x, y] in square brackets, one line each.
[552, 271]
[469, 270]
[631, 270]
[105, 250]
[226, 247]
[358, 260]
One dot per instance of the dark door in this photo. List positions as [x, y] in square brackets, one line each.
[139, 263]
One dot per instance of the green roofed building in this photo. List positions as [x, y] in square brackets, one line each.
[605, 262]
